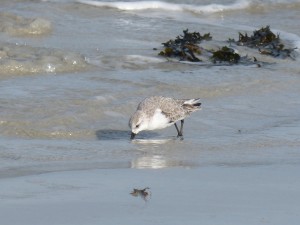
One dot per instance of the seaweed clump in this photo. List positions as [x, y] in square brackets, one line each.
[266, 41]
[261, 37]
[185, 46]
[225, 54]
[189, 47]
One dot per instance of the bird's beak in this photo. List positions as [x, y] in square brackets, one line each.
[132, 135]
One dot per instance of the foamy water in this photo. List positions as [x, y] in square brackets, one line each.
[168, 6]
[72, 73]
[16, 25]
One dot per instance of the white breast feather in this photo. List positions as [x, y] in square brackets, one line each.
[158, 121]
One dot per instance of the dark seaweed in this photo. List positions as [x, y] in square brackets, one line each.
[266, 41]
[225, 54]
[185, 47]
[261, 37]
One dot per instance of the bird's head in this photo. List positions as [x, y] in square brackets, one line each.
[137, 123]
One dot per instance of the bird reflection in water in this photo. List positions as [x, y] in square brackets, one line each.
[145, 194]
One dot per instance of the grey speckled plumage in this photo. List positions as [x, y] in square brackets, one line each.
[158, 112]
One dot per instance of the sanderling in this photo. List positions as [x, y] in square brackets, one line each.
[159, 112]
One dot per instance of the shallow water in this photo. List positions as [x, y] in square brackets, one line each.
[72, 73]
[218, 195]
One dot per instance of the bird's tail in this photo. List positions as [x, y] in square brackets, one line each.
[192, 104]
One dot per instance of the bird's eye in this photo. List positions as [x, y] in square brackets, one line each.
[137, 126]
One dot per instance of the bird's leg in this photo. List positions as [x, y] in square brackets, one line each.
[181, 128]
[177, 129]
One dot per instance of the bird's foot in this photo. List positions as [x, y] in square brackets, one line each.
[180, 136]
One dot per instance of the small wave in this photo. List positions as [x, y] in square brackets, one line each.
[133, 62]
[139, 59]
[160, 5]
[22, 59]
[293, 38]
[19, 26]
[28, 129]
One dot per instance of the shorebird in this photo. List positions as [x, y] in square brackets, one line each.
[158, 112]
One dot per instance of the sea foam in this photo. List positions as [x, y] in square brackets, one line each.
[160, 5]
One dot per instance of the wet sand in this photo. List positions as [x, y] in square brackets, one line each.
[205, 195]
